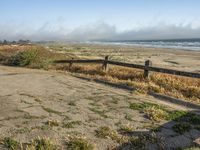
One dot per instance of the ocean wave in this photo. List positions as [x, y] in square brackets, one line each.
[174, 44]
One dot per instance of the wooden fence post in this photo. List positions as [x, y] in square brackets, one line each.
[70, 64]
[105, 64]
[148, 64]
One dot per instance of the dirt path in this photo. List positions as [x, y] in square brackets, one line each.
[31, 98]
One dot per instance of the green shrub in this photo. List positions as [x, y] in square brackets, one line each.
[23, 58]
[181, 128]
[144, 105]
[176, 115]
[10, 143]
[195, 119]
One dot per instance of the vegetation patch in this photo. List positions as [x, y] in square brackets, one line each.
[155, 114]
[126, 128]
[71, 124]
[144, 105]
[52, 123]
[140, 142]
[72, 103]
[129, 117]
[195, 119]
[10, 143]
[24, 58]
[42, 144]
[106, 132]
[176, 115]
[45, 127]
[49, 110]
[183, 116]
[181, 128]
[158, 113]
[23, 130]
[153, 111]
[79, 143]
[102, 113]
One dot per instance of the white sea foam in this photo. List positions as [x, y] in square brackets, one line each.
[174, 44]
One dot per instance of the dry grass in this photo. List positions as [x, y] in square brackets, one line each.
[108, 133]
[155, 114]
[36, 144]
[175, 86]
[79, 143]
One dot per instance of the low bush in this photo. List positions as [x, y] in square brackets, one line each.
[181, 128]
[23, 58]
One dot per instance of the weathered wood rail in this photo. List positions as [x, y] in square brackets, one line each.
[147, 67]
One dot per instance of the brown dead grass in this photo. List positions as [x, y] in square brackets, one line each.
[175, 86]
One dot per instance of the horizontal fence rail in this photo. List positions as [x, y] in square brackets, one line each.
[126, 64]
[147, 67]
[80, 61]
[174, 72]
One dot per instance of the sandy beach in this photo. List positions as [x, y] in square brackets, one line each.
[168, 58]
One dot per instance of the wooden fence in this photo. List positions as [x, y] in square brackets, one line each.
[147, 67]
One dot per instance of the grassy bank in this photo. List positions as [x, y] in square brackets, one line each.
[32, 56]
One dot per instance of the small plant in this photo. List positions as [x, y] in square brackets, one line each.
[52, 123]
[144, 105]
[137, 143]
[181, 128]
[156, 129]
[195, 119]
[176, 115]
[79, 143]
[10, 143]
[126, 128]
[115, 101]
[28, 116]
[71, 124]
[23, 130]
[106, 132]
[129, 117]
[72, 103]
[155, 114]
[45, 127]
[42, 144]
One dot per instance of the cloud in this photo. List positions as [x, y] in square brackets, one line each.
[98, 31]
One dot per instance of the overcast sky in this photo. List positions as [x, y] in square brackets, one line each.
[80, 20]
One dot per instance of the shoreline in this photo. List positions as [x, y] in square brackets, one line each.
[136, 46]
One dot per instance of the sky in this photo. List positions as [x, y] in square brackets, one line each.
[82, 20]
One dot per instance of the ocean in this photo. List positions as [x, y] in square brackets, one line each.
[182, 44]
